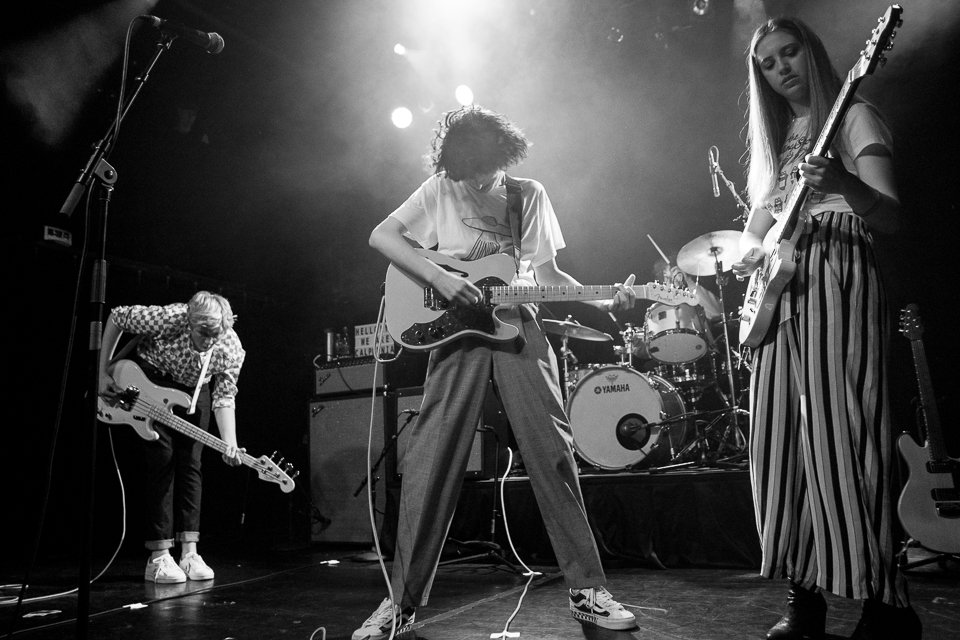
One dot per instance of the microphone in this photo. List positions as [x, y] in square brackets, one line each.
[712, 165]
[209, 42]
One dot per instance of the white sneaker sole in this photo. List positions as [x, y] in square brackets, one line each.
[617, 624]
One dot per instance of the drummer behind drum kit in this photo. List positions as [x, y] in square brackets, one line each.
[623, 418]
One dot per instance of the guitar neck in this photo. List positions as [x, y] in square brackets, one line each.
[799, 193]
[554, 293]
[928, 405]
[193, 431]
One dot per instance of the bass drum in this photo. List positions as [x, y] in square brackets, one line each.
[611, 411]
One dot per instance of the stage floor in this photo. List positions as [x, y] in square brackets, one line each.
[296, 593]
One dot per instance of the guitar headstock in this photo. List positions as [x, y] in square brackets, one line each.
[666, 293]
[881, 39]
[910, 325]
[270, 471]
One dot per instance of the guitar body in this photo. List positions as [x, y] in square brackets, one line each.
[767, 284]
[420, 320]
[934, 523]
[127, 374]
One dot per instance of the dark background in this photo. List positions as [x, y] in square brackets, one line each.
[268, 196]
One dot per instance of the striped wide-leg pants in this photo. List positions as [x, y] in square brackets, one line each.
[821, 448]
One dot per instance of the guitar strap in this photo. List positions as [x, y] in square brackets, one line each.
[514, 214]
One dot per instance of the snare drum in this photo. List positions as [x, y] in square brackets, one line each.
[611, 410]
[675, 334]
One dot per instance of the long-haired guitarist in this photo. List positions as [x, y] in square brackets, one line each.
[820, 437]
[180, 346]
[462, 209]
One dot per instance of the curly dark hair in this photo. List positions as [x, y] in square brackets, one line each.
[472, 141]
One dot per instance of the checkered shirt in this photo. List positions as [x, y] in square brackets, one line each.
[166, 345]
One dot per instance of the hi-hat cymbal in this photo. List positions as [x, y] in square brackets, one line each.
[575, 330]
[699, 256]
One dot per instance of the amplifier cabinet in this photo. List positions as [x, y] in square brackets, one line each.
[402, 410]
[338, 467]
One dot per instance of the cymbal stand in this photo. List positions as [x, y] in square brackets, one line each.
[730, 400]
[567, 362]
[733, 425]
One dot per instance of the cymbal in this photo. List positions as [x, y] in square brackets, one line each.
[575, 330]
[698, 257]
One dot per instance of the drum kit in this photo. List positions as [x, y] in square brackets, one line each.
[656, 416]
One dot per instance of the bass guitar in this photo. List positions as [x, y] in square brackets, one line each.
[141, 404]
[929, 506]
[419, 319]
[780, 243]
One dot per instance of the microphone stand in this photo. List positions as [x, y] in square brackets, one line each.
[97, 168]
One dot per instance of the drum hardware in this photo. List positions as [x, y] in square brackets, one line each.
[719, 442]
[713, 447]
[566, 329]
[700, 257]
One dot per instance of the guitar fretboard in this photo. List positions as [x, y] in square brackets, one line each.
[206, 438]
[519, 295]
[559, 293]
[931, 417]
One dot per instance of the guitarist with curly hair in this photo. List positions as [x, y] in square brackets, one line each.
[464, 209]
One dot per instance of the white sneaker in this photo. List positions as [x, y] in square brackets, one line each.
[379, 624]
[195, 568]
[163, 570]
[598, 607]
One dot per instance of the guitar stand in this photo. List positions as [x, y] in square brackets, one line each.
[936, 557]
[493, 553]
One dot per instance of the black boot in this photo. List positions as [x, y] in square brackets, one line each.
[880, 620]
[806, 616]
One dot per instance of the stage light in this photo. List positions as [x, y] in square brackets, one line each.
[700, 7]
[464, 95]
[399, 49]
[401, 117]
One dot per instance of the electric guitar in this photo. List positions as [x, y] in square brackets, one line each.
[929, 506]
[419, 319]
[780, 243]
[142, 403]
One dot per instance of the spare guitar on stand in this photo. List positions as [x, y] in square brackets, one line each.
[929, 506]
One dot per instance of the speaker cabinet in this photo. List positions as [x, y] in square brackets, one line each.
[401, 411]
[338, 467]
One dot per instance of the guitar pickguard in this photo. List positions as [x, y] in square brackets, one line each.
[454, 318]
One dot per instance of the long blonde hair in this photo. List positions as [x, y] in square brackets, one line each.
[769, 114]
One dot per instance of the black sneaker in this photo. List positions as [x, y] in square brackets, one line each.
[598, 607]
[380, 623]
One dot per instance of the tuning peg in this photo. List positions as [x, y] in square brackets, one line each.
[294, 474]
[273, 455]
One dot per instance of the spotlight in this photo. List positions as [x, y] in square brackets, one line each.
[464, 95]
[401, 117]
[399, 49]
[700, 7]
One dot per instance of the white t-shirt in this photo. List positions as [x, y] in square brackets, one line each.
[467, 224]
[861, 127]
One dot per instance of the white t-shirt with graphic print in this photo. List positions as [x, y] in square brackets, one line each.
[861, 127]
[467, 224]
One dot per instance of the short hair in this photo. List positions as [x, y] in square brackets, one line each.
[769, 113]
[210, 311]
[472, 141]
